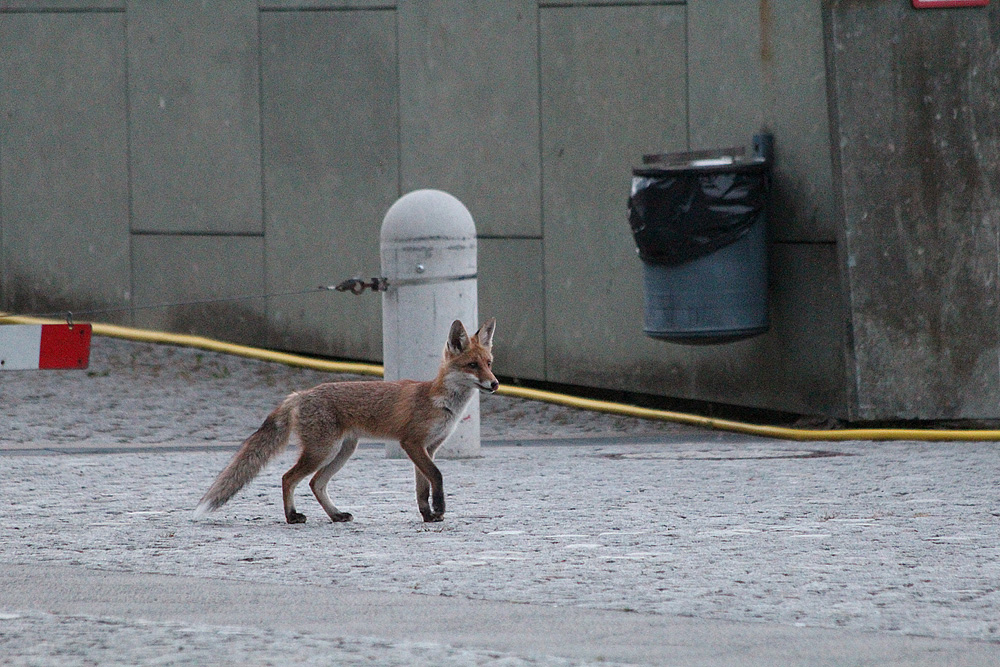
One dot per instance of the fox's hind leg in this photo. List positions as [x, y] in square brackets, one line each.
[322, 478]
[314, 455]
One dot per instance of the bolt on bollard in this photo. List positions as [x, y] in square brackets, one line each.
[428, 251]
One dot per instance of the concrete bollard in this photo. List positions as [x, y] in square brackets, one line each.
[428, 248]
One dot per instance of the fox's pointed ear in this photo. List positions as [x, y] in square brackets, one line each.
[458, 339]
[485, 333]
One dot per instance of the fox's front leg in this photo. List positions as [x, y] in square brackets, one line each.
[423, 495]
[429, 482]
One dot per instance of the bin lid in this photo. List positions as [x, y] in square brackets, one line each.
[732, 160]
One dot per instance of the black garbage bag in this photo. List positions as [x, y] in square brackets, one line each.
[681, 213]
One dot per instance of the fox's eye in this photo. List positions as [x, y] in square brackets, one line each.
[474, 364]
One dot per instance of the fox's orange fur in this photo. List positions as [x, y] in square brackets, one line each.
[329, 418]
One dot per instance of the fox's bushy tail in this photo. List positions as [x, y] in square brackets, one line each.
[267, 442]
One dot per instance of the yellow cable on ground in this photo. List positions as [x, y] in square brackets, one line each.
[783, 433]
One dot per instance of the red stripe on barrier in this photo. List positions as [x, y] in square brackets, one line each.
[64, 346]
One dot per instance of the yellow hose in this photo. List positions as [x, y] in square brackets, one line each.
[799, 434]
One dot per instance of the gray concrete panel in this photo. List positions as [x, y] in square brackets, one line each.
[282, 5]
[613, 88]
[919, 152]
[546, 4]
[797, 113]
[800, 364]
[194, 116]
[761, 65]
[925, 310]
[511, 289]
[63, 189]
[724, 66]
[331, 171]
[63, 5]
[174, 272]
[469, 108]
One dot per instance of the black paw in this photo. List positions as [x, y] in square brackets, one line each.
[342, 516]
[295, 517]
[433, 516]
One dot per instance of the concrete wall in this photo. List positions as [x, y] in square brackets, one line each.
[167, 153]
[330, 109]
[64, 191]
[918, 152]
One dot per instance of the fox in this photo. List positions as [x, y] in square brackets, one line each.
[329, 418]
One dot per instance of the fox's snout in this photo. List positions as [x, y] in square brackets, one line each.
[483, 379]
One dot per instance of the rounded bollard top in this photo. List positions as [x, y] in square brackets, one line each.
[427, 214]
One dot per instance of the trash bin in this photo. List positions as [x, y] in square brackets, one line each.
[699, 224]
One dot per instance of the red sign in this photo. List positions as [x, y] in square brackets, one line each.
[942, 4]
[63, 346]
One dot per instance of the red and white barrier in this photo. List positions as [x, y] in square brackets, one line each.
[44, 346]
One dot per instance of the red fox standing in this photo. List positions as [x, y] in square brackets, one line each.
[329, 418]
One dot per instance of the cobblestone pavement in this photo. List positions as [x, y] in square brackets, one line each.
[892, 537]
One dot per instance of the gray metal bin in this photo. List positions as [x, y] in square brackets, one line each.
[700, 227]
